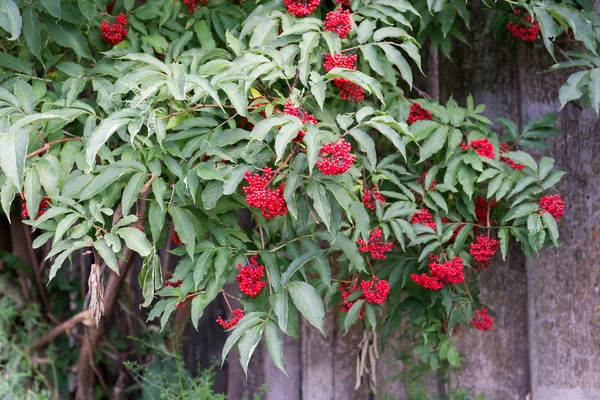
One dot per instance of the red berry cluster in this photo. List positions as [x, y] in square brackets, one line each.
[456, 231]
[508, 161]
[43, 207]
[301, 8]
[418, 113]
[483, 249]
[450, 271]
[346, 290]
[482, 147]
[374, 245]
[348, 90]
[305, 118]
[233, 321]
[481, 209]
[175, 238]
[193, 4]
[376, 291]
[250, 277]
[344, 3]
[553, 205]
[335, 158]
[371, 197]
[175, 284]
[423, 216]
[482, 320]
[258, 194]
[338, 22]
[116, 32]
[526, 30]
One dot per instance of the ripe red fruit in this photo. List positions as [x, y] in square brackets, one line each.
[258, 194]
[418, 113]
[305, 118]
[450, 271]
[481, 209]
[374, 245]
[116, 32]
[175, 284]
[338, 22]
[43, 207]
[249, 277]
[424, 217]
[347, 290]
[193, 4]
[375, 291]
[483, 147]
[508, 161]
[371, 197]
[348, 90]
[553, 205]
[482, 320]
[345, 3]
[175, 238]
[232, 321]
[335, 158]
[301, 8]
[525, 29]
[483, 249]
[427, 281]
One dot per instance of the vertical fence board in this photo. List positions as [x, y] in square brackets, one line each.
[564, 283]
[317, 361]
[495, 363]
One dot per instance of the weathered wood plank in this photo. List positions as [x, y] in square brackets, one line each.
[563, 284]
[495, 363]
[318, 373]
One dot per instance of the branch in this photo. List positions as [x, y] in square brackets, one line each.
[47, 146]
[82, 317]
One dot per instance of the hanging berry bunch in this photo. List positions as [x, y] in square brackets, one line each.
[526, 29]
[116, 32]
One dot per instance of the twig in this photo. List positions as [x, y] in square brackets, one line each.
[64, 327]
[47, 146]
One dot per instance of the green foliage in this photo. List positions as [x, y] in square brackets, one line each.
[156, 134]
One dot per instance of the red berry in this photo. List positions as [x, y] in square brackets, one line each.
[525, 29]
[374, 245]
[305, 118]
[424, 217]
[338, 22]
[232, 321]
[553, 205]
[258, 194]
[375, 292]
[175, 238]
[347, 290]
[193, 4]
[483, 147]
[482, 207]
[345, 3]
[301, 8]
[508, 161]
[451, 271]
[482, 320]
[116, 32]
[417, 113]
[371, 197]
[348, 90]
[483, 249]
[427, 281]
[335, 158]
[249, 277]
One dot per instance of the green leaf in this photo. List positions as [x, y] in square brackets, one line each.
[135, 240]
[102, 181]
[280, 306]
[12, 155]
[132, 191]
[250, 320]
[550, 224]
[297, 264]
[261, 129]
[316, 191]
[100, 135]
[63, 226]
[522, 158]
[438, 199]
[349, 248]
[107, 255]
[10, 19]
[68, 35]
[204, 35]
[546, 165]
[184, 220]
[366, 144]
[11, 62]
[248, 343]
[434, 142]
[391, 134]
[572, 89]
[467, 178]
[237, 98]
[453, 356]
[396, 57]
[309, 303]
[274, 344]
[89, 8]
[504, 238]
[594, 89]
[353, 314]
[32, 29]
[52, 7]
[211, 194]
[521, 210]
[285, 136]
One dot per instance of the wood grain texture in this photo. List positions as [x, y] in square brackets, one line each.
[495, 363]
[564, 283]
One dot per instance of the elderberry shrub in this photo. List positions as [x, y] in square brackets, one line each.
[292, 114]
